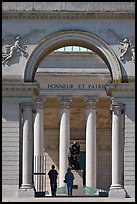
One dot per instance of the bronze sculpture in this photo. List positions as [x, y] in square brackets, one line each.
[73, 157]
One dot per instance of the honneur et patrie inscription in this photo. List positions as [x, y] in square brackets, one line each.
[75, 86]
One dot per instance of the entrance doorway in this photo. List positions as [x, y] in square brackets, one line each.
[74, 70]
[82, 160]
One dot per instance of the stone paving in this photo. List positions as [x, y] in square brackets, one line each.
[69, 199]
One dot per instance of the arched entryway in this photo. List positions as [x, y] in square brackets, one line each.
[72, 37]
[64, 38]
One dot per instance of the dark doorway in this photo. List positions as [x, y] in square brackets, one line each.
[82, 159]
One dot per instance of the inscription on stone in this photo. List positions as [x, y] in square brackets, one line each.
[75, 86]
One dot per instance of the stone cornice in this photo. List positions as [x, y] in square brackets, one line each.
[7, 86]
[65, 14]
[72, 74]
[123, 87]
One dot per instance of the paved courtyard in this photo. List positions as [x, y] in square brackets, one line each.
[69, 199]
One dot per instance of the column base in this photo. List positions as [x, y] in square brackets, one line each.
[26, 191]
[117, 192]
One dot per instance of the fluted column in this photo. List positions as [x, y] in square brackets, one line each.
[38, 143]
[64, 137]
[91, 142]
[27, 152]
[117, 159]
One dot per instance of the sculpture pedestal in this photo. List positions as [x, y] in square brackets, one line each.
[78, 183]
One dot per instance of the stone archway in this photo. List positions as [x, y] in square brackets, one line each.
[72, 37]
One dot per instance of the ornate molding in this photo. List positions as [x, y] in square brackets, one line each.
[66, 14]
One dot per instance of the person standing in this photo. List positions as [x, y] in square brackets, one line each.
[53, 180]
[69, 178]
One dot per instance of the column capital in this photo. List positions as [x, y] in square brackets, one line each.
[117, 106]
[26, 105]
[90, 101]
[65, 101]
[39, 103]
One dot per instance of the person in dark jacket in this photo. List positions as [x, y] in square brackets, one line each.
[69, 177]
[53, 180]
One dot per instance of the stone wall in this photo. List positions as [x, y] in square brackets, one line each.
[33, 31]
[129, 152]
[10, 149]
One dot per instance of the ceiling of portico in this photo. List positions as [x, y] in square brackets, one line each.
[77, 113]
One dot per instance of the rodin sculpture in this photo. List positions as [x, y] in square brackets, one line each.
[73, 157]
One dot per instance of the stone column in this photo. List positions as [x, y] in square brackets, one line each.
[116, 189]
[38, 144]
[91, 142]
[64, 138]
[27, 152]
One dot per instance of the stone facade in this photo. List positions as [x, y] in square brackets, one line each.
[32, 73]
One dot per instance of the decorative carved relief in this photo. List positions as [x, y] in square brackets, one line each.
[128, 48]
[15, 47]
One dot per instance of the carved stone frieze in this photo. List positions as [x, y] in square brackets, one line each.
[65, 15]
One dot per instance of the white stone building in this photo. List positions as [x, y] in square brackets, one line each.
[52, 97]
